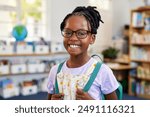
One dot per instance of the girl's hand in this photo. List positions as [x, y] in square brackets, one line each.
[59, 96]
[81, 95]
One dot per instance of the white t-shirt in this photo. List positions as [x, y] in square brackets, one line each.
[104, 83]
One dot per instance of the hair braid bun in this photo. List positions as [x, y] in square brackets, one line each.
[90, 13]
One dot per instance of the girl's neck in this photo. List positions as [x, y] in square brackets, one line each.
[77, 61]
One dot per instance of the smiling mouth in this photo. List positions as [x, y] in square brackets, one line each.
[74, 46]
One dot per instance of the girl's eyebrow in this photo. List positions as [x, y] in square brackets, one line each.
[75, 30]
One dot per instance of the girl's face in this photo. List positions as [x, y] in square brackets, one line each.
[74, 45]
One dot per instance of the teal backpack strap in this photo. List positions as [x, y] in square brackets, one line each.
[93, 76]
[56, 83]
[119, 92]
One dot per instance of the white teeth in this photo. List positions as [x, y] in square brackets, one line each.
[74, 46]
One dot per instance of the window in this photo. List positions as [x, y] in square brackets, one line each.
[31, 13]
[101, 4]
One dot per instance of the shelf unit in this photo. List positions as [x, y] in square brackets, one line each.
[19, 78]
[119, 61]
[48, 57]
[139, 78]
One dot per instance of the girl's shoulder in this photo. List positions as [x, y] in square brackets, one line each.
[105, 69]
[54, 69]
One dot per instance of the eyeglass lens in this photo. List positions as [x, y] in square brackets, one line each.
[79, 33]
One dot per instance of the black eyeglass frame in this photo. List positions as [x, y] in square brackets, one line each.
[72, 32]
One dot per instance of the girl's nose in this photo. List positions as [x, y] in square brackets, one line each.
[74, 37]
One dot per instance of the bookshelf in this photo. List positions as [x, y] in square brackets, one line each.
[139, 78]
[14, 76]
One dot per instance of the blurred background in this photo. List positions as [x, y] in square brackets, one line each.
[31, 43]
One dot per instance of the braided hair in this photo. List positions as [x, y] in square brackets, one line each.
[91, 15]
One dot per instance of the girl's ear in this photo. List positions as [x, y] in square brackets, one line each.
[93, 39]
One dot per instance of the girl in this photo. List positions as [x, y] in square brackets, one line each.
[79, 30]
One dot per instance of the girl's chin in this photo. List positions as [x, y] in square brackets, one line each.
[73, 50]
[74, 53]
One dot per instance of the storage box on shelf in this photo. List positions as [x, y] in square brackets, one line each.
[5, 49]
[36, 67]
[43, 84]
[4, 69]
[57, 47]
[8, 89]
[29, 87]
[9, 92]
[41, 49]
[139, 81]
[24, 49]
[29, 90]
[18, 69]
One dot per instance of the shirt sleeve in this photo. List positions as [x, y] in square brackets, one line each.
[51, 79]
[108, 82]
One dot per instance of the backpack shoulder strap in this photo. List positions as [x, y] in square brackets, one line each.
[56, 83]
[59, 67]
[92, 77]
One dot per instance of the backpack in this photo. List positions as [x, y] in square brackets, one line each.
[90, 81]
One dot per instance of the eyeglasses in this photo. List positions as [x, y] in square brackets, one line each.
[80, 34]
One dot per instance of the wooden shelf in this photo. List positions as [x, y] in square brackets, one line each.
[117, 61]
[142, 9]
[140, 30]
[146, 32]
[10, 55]
[114, 66]
[2, 75]
[137, 28]
[141, 44]
[141, 78]
[48, 54]
[144, 96]
[143, 61]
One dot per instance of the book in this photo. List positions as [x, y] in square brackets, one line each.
[137, 20]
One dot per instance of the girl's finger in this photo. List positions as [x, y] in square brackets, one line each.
[79, 91]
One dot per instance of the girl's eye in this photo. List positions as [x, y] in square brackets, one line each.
[68, 33]
[81, 33]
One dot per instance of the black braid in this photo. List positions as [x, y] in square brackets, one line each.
[89, 13]
[62, 25]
